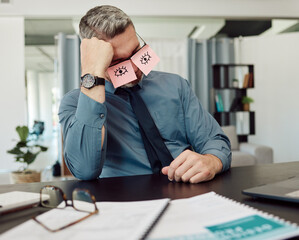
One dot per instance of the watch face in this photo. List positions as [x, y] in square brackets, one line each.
[88, 81]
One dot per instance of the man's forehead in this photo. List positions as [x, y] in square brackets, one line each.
[124, 43]
[126, 50]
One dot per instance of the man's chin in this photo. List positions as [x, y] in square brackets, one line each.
[131, 84]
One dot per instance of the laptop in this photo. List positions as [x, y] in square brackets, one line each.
[286, 190]
[18, 200]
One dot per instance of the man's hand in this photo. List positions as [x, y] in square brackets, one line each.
[96, 56]
[193, 167]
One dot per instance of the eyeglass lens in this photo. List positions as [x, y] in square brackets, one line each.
[82, 201]
[52, 197]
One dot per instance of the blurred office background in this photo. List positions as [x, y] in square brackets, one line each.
[40, 60]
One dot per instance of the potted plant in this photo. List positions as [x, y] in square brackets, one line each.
[246, 103]
[25, 152]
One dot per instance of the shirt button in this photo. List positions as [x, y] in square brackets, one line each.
[102, 115]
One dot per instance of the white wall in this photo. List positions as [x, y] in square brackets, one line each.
[202, 8]
[46, 83]
[172, 54]
[39, 91]
[32, 97]
[12, 97]
[276, 92]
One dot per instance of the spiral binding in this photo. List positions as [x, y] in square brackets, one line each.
[266, 214]
[150, 227]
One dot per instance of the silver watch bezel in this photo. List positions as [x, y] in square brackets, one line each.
[88, 81]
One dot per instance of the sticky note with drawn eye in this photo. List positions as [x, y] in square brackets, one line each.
[122, 73]
[145, 59]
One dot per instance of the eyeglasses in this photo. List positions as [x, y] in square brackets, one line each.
[54, 197]
[144, 59]
[143, 45]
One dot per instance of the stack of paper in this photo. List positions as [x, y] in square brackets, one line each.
[211, 216]
[207, 216]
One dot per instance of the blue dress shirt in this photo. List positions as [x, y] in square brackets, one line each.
[175, 109]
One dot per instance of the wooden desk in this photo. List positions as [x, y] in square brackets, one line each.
[147, 187]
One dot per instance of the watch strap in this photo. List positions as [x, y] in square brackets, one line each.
[99, 81]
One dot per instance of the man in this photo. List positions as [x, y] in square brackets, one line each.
[102, 135]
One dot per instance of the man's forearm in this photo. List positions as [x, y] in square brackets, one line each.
[97, 93]
[82, 120]
[81, 151]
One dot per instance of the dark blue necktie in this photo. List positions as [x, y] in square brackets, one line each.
[156, 150]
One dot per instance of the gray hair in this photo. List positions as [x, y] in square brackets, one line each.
[104, 22]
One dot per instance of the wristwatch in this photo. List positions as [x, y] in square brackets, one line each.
[89, 81]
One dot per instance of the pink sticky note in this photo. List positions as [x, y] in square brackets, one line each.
[145, 59]
[122, 73]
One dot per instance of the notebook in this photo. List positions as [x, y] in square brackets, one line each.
[286, 190]
[211, 216]
[17, 200]
[208, 217]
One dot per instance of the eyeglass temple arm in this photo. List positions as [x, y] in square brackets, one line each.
[140, 38]
[68, 225]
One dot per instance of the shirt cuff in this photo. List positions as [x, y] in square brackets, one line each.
[223, 153]
[90, 112]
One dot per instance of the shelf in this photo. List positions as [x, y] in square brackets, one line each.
[243, 138]
[233, 65]
[228, 112]
[232, 88]
[223, 75]
[232, 118]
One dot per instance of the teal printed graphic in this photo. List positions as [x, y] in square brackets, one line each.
[201, 236]
[252, 227]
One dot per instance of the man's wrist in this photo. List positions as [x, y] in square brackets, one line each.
[99, 74]
[217, 162]
[96, 93]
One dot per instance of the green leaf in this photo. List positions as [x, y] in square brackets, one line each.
[29, 157]
[15, 150]
[246, 99]
[23, 132]
[19, 159]
[21, 144]
[42, 148]
[21, 155]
